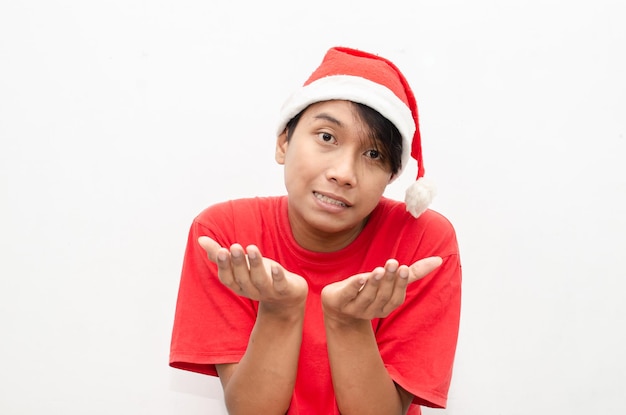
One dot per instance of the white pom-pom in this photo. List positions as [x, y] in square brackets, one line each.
[419, 196]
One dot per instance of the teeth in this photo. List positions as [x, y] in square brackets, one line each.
[327, 199]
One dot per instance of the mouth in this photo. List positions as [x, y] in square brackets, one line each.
[330, 200]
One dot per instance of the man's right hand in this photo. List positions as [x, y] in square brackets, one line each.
[250, 275]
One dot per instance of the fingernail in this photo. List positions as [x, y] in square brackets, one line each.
[378, 273]
[404, 273]
[221, 256]
[251, 254]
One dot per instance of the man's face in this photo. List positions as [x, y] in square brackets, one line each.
[334, 176]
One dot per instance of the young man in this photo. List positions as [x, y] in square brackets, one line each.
[331, 299]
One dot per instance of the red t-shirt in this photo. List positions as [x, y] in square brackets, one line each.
[417, 341]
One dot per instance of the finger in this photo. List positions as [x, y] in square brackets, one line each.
[403, 277]
[381, 289]
[383, 281]
[423, 267]
[389, 279]
[210, 246]
[258, 272]
[368, 291]
[225, 270]
[241, 271]
[351, 287]
[278, 278]
[398, 295]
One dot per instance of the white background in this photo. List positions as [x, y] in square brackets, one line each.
[121, 120]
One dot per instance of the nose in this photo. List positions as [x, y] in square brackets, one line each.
[343, 169]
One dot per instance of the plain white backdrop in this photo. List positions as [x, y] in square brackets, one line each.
[121, 120]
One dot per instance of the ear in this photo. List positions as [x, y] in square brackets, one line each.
[281, 147]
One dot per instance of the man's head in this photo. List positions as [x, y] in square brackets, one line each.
[374, 82]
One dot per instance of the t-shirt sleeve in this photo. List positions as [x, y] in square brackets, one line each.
[212, 324]
[418, 340]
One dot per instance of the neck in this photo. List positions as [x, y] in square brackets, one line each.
[320, 241]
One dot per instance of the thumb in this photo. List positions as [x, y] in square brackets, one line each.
[210, 246]
[348, 289]
[423, 267]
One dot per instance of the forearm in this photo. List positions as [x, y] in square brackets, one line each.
[264, 379]
[361, 381]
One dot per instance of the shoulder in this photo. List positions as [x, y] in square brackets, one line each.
[240, 220]
[392, 212]
[431, 230]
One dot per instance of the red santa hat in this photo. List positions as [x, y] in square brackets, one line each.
[353, 75]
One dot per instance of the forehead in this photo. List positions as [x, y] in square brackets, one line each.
[342, 114]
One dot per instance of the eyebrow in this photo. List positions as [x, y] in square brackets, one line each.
[325, 116]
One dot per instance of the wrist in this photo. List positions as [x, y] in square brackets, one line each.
[340, 321]
[284, 312]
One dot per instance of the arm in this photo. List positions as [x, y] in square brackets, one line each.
[264, 379]
[361, 381]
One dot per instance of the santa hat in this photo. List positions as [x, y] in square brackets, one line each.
[353, 75]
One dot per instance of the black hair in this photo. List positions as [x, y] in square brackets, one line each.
[382, 132]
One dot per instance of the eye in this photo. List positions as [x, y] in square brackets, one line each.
[373, 154]
[327, 137]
